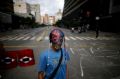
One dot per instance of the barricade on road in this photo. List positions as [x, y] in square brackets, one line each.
[9, 60]
[12, 59]
[26, 58]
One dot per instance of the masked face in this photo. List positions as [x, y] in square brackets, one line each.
[57, 38]
[56, 46]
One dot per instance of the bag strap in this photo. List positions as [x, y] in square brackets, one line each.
[56, 69]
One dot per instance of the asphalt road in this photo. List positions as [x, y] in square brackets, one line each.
[90, 57]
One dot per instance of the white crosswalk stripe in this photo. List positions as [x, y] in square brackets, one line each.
[90, 38]
[19, 38]
[26, 38]
[39, 38]
[73, 38]
[33, 38]
[83, 38]
[46, 38]
[79, 38]
[66, 38]
[86, 38]
[99, 38]
[14, 38]
[10, 37]
[72, 51]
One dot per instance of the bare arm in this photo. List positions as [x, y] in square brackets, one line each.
[41, 75]
[67, 73]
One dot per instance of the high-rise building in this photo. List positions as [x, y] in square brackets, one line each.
[42, 19]
[22, 8]
[85, 11]
[51, 20]
[46, 19]
[58, 15]
[35, 10]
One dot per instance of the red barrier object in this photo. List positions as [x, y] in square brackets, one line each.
[9, 60]
[26, 58]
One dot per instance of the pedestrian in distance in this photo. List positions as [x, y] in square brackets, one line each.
[72, 29]
[97, 26]
[53, 62]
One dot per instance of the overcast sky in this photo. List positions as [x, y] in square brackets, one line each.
[48, 6]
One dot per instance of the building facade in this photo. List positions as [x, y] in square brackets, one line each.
[21, 7]
[42, 19]
[84, 11]
[51, 20]
[35, 10]
[46, 19]
[58, 15]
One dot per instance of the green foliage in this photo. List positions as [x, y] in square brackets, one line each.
[36, 25]
[58, 23]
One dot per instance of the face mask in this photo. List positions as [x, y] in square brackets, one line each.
[57, 38]
[56, 46]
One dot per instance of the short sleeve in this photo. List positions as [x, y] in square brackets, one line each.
[67, 57]
[42, 62]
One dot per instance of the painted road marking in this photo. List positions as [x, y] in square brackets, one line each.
[83, 38]
[46, 38]
[91, 38]
[26, 38]
[73, 38]
[67, 38]
[79, 38]
[33, 38]
[87, 38]
[39, 38]
[19, 38]
[100, 38]
[72, 51]
[91, 50]
[13, 38]
[8, 38]
[81, 68]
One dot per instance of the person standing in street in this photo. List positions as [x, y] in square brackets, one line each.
[97, 26]
[53, 62]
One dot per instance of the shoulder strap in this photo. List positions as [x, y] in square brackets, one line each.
[56, 69]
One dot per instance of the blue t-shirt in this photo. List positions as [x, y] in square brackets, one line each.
[49, 60]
